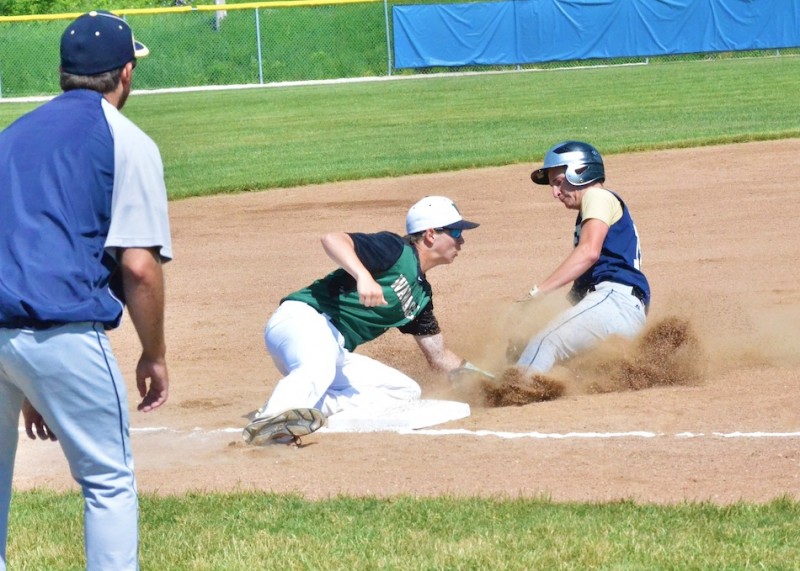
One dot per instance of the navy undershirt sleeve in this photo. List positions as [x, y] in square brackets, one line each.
[378, 252]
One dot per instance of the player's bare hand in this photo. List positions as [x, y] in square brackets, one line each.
[156, 394]
[370, 293]
[33, 420]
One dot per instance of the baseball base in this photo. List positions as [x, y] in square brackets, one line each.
[410, 415]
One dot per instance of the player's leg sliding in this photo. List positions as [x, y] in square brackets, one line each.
[286, 427]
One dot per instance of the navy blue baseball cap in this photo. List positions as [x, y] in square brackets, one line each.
[97, 42]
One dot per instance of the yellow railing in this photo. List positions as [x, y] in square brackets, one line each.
[181, 9]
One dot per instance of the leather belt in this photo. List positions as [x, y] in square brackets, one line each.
[636, 292]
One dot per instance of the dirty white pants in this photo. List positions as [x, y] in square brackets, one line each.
[609, 310]
[320, 373]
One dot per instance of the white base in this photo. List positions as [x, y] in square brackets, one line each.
[409, 415]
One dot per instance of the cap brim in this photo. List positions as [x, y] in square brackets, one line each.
[140, 50]
[539, 176]
[463, 225]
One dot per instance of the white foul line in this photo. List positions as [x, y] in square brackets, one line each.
[601, 435]
[534, 435]
[516, 435]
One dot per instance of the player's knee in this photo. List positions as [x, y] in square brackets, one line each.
[321, 374]
[414, 392]
[407, 391]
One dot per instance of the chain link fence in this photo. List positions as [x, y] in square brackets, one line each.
[197, 46]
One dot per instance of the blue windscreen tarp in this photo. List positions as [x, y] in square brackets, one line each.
[532, 31]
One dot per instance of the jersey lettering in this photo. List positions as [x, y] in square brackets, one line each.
[402, 289]
[637, 261]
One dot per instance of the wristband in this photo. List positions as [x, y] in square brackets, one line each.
[535, 292]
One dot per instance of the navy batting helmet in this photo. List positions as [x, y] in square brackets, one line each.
[584, 163]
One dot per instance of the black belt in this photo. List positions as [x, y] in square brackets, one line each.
[636, 292]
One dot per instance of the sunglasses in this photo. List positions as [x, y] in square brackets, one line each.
[455, 233]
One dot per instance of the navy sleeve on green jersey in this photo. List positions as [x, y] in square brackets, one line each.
[424, 324]
[378, 252]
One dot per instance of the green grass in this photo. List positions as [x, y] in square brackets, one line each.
[252, 139]
[186, 50]
[242, 531]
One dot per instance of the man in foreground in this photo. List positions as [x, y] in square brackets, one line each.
[83, 230]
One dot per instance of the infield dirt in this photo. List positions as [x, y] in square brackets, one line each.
[719, 239]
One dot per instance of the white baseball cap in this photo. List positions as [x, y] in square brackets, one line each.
[435, 212]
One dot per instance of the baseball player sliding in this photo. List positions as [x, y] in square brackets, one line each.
[380, 284]
[609, 291]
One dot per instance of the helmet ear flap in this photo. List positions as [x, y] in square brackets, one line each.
[579, 175]
[575, 174]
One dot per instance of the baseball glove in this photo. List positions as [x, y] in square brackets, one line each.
[468, 374]
[514, 389]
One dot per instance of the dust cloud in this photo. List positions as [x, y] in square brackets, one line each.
[683, 348]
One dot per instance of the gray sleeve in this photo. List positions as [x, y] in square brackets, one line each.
[139, 215]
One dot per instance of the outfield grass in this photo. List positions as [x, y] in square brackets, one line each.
[233, 532]
[252, 139]
[187, 49]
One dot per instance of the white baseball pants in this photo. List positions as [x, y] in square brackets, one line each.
[71, 377]
[320, 373]
[611, 309]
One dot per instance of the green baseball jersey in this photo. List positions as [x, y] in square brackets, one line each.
[394, 264]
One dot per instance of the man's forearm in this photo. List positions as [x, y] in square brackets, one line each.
[573, 267]
[143, 281]
[438, 356]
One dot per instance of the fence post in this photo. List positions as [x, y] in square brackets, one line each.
[219, 15]
[388, 40]
[258, 46]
